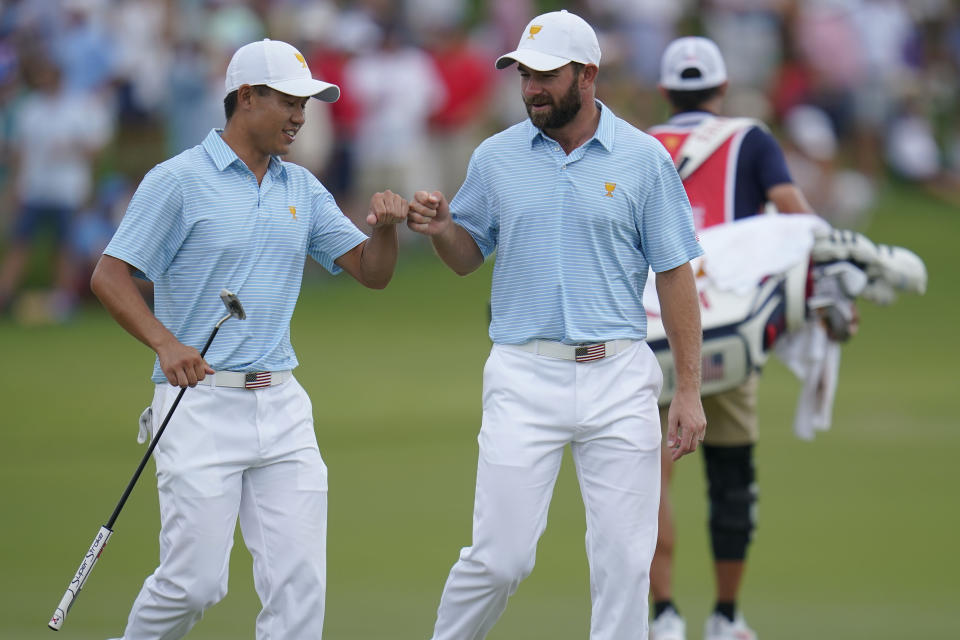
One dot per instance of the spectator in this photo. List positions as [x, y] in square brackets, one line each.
[143, 57]
[884, 31]
[840, 195]
[84, 49]
[96, 224]
[398, 88]
[455, 125]
[346, 36]
[827, 42]
[749, 31]
[193, 105]
[56, 135]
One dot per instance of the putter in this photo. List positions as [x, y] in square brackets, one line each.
[235, 310]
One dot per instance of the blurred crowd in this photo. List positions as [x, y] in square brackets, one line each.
[93, 93]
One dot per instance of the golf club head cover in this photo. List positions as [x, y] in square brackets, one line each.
[895, 269]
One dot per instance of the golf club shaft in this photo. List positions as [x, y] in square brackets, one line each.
[153, 443]
[100, 540]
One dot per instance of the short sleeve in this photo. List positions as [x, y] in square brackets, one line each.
[332, 234]
[771, 166]
[471, 210]
[667, 236]
[153, 227]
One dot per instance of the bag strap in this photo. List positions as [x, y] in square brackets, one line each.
[706, 138]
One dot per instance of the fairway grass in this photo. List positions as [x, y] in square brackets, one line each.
[856, 533]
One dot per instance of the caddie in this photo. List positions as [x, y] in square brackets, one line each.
[731, 169]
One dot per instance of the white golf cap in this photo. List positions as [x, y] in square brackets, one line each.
[279, 66]
[691, 64]
[553, 40]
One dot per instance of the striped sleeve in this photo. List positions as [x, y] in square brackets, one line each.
[153, 228]
[332, 234]
[667, 236]
[471, 210]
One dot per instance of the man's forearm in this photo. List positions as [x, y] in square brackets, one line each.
[113, 285]
[458, 250]
[680, 310]
[379, 257]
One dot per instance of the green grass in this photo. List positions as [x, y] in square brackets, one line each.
[857, 528]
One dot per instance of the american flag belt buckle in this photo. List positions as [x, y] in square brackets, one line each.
[257, 380]
[590, 352]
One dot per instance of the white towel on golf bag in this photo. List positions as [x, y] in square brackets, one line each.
[814, 359]
[739, 255]
[776, 243]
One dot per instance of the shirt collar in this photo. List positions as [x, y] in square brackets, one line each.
[606, 128]
[223, 156]
[604, 133]
[690, 117]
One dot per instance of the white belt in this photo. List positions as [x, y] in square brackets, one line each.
[247, 380]
[577, 352]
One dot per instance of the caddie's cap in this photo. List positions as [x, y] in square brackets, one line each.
[553, 40]
[691, 64]
[279, 66]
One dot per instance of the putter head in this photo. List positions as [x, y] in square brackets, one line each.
[232, 304]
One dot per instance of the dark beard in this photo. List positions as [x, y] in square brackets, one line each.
[562, 111]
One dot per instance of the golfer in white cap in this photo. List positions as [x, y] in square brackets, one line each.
[229, 213]
[578, 206]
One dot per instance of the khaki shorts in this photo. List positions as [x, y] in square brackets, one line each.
[731, 416]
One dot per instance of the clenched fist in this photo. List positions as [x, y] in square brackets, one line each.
[386, 208]
[429, 213]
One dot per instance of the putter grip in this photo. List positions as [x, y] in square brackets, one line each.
[80, 578]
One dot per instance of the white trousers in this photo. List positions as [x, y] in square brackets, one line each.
[227, 453]
[533, 406]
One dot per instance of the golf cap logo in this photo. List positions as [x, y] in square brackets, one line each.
[301, 59]
[609, 186]
[534, 30]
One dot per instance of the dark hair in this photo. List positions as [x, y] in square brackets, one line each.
[691, 100]
[230, 102]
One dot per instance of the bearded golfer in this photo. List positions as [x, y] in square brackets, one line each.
[578, 205]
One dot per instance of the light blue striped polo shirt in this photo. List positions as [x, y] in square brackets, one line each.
[199, 223]
[574, 235]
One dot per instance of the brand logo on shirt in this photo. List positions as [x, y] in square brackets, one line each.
[609, 186]
[671, 143]
[534, 30]
[302, 61]
[293, 212]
